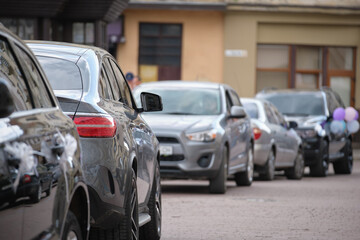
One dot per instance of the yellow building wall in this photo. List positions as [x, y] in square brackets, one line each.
[202, 41]
[244, 30]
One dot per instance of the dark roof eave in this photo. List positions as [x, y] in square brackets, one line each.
[177, 6]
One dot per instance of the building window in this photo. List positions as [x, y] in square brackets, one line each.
[83, 33]
[308, 61]
[24, 28]
[307, 67]
[273, 66]
[160, 51]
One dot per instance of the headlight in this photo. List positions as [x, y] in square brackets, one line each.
[307, 133]
[205, 136]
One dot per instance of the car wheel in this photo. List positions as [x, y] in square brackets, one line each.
[35, 198]
[49, 190]
[296, 172]
[269, 173]
[320, 168]
[218, 184]
[246, 178]
[129, 225]
[72, 230]
[152, 230]
[345, 164]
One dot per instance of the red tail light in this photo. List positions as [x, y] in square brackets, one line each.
[257, 133]
[27, 178]
[95, 126]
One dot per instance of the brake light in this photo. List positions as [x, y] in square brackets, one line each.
[257, 133]
[95, 126]
[27, 178]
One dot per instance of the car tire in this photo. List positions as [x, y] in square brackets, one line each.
[128, 228]
[269, 172]
[218, 184]
[129, 225]
[72, 228]
[36, 197]
[296, 172]
[320, 168]
[345, 164]
[152, 229]
[246, 178]
[48, 192]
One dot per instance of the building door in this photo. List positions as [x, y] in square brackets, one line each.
[160, 52]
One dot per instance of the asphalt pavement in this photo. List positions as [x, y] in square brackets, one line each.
[313, 208]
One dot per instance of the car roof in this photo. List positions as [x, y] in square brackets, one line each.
[69, 51]
[181, 84]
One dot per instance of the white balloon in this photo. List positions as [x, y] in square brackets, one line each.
[353, 126]
[336, 127]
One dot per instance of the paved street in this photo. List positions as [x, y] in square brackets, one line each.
[313, 208]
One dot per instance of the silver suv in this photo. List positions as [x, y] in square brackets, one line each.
[204, 132]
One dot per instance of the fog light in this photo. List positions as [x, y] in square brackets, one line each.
[204, 161]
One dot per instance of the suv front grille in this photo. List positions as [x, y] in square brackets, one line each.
[167, 140]
[172, 158]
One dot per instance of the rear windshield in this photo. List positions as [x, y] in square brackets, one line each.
[298, 104]
[62, 74]
[251, 109]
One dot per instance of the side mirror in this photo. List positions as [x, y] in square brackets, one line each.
[7, 106]
[151, 102]
[293, 124]
[237, 112]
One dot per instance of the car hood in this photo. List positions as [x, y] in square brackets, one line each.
[308, 121]
[186, 123]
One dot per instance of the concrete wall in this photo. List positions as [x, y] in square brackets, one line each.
[244, 30]
[202, 41]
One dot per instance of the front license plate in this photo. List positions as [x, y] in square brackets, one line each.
[166, 150]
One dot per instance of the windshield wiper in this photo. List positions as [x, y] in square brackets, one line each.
[180, 113]
[296, 114]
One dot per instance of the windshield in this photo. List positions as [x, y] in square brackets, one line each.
[62, 74]
[298, 104]
[251, 109]
[186, 101]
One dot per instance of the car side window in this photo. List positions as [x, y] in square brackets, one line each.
[104, 86]
[10, 71]
[229, 103]
[270, 115]
[124, 88]
[235, 98]
[279, 117]
[40, 92]
[332, 104]
[112, 80]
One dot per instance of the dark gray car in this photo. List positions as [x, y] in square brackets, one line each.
[36, 138]
[119, 150]
[204, 132]
[277, 145]
[312, 110]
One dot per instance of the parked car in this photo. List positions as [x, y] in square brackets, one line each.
[312, 110]
[35, 132]
[204, 132]
[119, 149]
[277, 145]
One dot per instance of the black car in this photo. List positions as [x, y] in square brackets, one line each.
[313, 110]
[34, 133]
